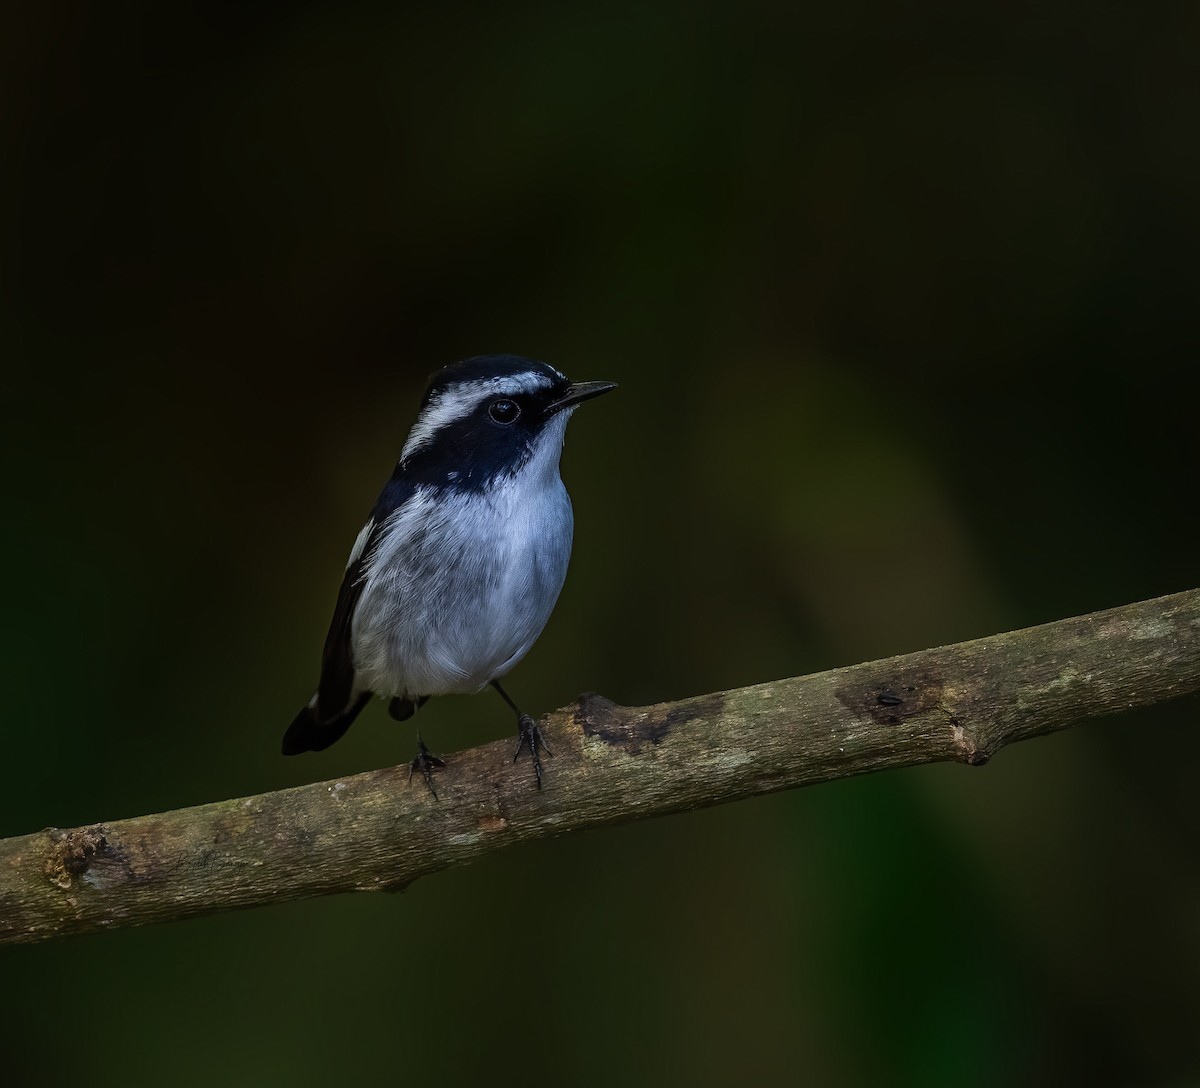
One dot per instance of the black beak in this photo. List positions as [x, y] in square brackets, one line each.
[578, 392]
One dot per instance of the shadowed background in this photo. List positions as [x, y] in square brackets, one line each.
[902, 305]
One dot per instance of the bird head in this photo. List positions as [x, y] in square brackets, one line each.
[490, 417]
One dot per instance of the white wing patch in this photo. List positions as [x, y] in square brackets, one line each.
[360, 542]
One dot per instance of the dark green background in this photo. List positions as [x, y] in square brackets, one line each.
[902, 301]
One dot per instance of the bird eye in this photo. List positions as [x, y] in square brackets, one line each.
[504, 411]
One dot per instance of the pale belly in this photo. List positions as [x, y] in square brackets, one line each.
[456, 603]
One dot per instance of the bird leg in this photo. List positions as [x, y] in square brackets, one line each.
[425, 761]
[528, 733]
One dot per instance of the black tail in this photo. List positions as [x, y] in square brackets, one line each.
[306, 734]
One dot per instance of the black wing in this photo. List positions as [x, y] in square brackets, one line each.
[337, 660]
[332, 710]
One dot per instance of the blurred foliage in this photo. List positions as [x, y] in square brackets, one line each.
[902, 301]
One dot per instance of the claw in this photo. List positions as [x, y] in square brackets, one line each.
[529, 733]
[425, 761]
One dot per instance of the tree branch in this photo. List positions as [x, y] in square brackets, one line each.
[612, 764]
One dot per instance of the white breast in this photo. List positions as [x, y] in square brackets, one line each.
[462, 584]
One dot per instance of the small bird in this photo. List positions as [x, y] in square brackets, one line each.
[458, 568]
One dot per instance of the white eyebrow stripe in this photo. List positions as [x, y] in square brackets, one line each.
[459, 401]
[520, 383]
[442, 410]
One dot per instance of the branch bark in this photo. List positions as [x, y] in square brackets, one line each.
[612, 764]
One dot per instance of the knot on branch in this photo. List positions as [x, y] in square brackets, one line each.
[633, 728]
[72, 853]
[896, 697]
[967, 749]
[616, 725]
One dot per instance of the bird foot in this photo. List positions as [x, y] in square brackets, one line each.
[529, 734]
[425, 762]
